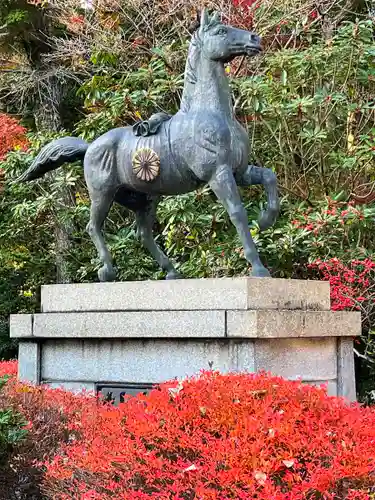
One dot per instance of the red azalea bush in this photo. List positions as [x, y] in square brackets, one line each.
[344, 219]
[351, 283]
[219, 437]
[47, 414]
[8, 368]
[242, 436]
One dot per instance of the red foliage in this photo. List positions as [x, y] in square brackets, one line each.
[351, 284]
[244, 3]
[8, 368]
[216, 436]
[336, 213]
[219, 437]
[352, 280]
[244, 13]
[48, 413]
[12, 135]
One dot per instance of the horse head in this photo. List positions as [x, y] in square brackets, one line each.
[221, 42]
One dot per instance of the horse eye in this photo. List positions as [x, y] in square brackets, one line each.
[222, 31]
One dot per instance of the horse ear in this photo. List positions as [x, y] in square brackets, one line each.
[204, 18]
[216, 18]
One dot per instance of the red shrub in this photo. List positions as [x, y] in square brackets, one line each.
[211, 437]
[220, 437]
[8, 368]
[12, 135]
[48, 413]
[351, 284]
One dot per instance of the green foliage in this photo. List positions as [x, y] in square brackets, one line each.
[26, 251]
[19, 23]
[113, 102]
[16, 16]
[12, 428]
[311, 112]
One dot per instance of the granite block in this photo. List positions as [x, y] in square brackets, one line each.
[136, 324]
[75, 387]
[141, 361]
[287, 324]
[153, 331]
[288, 294]
[305, 359]
[345, 369]
[29, 357]
[21, 325]
[189, 294]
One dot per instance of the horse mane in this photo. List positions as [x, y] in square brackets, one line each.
[195, 48]
[193, 57]
[192, 60]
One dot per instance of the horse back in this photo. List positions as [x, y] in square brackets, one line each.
[117, 156]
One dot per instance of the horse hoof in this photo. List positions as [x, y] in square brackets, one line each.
[174, 275]
[266, 220]
[260, 272]
[106, 273]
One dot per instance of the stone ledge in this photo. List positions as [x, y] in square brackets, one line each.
[21, 325]
[153, 324]
[70, 386]
[188, 324]
[288, 324]
[187, 294]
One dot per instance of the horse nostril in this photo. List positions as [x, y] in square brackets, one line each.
[254, 38]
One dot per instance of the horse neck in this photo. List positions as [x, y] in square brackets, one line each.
[206, 85]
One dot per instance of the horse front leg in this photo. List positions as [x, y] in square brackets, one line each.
[266, 177]
[224, 186]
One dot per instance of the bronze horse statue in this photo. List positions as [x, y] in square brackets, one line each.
[201, 144]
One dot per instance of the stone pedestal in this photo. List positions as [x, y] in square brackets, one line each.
[135, 334]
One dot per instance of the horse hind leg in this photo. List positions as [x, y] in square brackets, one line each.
[145, 217]
[101, 202]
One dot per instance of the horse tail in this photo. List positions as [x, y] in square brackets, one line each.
[53, 155]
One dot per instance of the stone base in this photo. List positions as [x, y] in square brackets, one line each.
[118, 334]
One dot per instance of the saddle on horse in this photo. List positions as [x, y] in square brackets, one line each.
[151, 126]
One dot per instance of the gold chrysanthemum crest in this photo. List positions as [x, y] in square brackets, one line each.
[146, 164]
